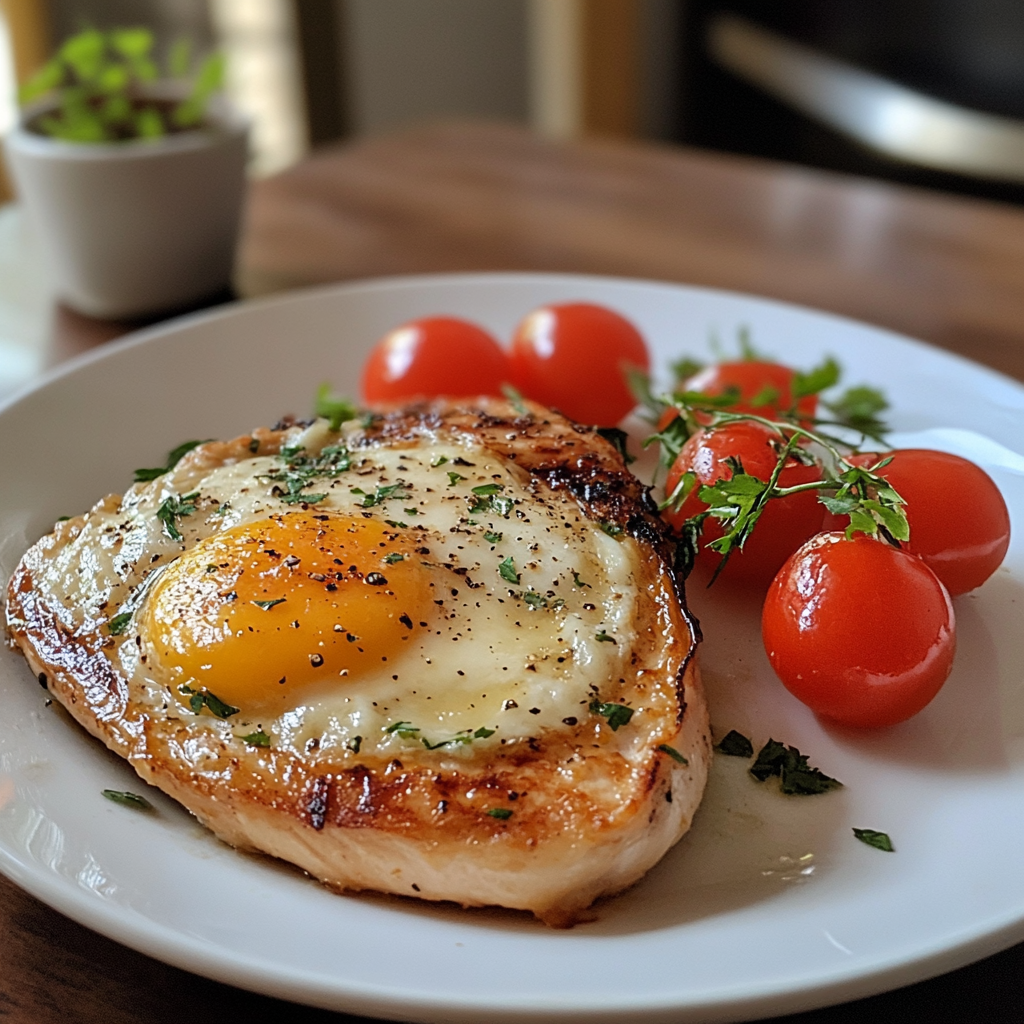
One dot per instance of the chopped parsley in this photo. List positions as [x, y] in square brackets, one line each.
[735, 744]
[439, 461]
[405, 730]
[578, 582]
[126, 799]
[382, 494]
[797, 777]
[617, 439]
[492, 538]
[394, 556]
[605, 638]
[411, 511]
[498, 503]
[459, 739]
[299, 470]
[879, 840]
[256, 739]
[333, 407]
[175, 508]
[266, 605]
[612, 529]
[119, 623]
[515, 399]
[535, 600]
[173, 458]
[501, 813]
[396, 524]
[673, 753]
[617, 714]
[454, 478]
[203, 698]
[507, 571]
[484, 490]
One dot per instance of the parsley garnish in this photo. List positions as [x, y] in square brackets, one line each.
[735, 744]
[879, 840]
[578, 582]
[501, 813]
[507, 571]
[499, 503]
[612, 529]
[439, 461]
[797, 776]
[605, 638]
[617, 714]
[685, 368]
[382, 494]
[126, 799]
[411, 511]
[673, 753]
[492, 538]
[617, 439]
[300, 470]
[486, 489]
[535, 600]
[305, 499]
[203, 698]
[174, 508]
[460, 738]
[406, 730]
[265, 605]
[173, 458]
[515, 399]
[333, 407]
[119, 623]
[394, 556]
[454, 478]
[396, 524]
[256, 739]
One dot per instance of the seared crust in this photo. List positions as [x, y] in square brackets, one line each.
[592, 809]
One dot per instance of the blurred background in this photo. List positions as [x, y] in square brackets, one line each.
[923, 92]
[929, 92]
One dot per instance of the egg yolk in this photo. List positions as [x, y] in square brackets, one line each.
[261, 611]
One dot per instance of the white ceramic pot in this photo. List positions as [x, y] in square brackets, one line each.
[140, 227]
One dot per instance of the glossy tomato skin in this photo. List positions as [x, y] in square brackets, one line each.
[784, 524]
[753, 379]
[959, 523]
[573, 357]
[861, 632]
[437, 355]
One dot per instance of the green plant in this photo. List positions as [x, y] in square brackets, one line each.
[99, 80]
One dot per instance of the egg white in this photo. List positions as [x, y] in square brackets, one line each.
[489, 661]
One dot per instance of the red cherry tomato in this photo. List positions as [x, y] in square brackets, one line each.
[437, 355]
[962, 548]
[785, 523]
[574, 357]
[771, 384]
[861, 632]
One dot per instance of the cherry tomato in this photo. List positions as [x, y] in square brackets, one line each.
[771, 384]
[437, 355]
[574, 358]
[861, 632]
[784, 524]
[959, 523]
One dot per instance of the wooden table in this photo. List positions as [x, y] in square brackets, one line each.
[487, 197]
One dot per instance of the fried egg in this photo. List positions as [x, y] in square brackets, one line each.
[471, 599]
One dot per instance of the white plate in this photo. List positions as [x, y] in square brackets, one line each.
[768, 906]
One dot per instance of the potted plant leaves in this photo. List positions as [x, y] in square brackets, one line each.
[134, 182]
